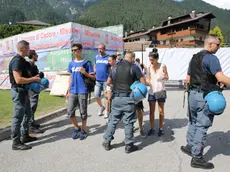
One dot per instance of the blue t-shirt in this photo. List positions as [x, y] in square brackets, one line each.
[210, 64]
[102, 67]
[135, 70]
[78, 85]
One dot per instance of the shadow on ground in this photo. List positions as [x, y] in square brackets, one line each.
[219, 143]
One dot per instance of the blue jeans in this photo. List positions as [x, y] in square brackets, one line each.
[121, 107]
[200, 121]
[21, 114]
[100, 85]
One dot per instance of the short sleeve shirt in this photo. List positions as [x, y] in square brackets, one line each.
[135, 69]
[19, 64]
[211, 64]
[102, 67]
[78, 85]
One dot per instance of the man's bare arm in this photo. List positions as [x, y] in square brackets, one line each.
[222, 78]
[22, 80]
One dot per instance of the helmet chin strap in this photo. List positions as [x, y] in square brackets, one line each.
[141, 92]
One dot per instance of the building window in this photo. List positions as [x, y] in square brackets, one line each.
[164, 42]
[200, 38]
[181, 40]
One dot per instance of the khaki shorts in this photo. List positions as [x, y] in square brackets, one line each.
[77, 101]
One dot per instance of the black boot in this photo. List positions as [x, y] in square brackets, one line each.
[27, 139]
[20, 146]
[130, 148]
[201, 163]
[186, 149]
[34, 130]
[106, 145]
[35, 125]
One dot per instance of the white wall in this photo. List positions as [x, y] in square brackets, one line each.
[138, 54]
[177, 60]
[142, 39]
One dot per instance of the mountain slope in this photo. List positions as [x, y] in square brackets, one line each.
[51, 11]
[136, 15]
[133, 14]
[21, 10]
[71, 9]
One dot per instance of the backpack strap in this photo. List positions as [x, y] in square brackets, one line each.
[84, 66]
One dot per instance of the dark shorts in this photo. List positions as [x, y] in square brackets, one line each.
[140, 105]
[151, 98]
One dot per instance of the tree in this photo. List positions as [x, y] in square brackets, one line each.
[11, 30]
[217, 31]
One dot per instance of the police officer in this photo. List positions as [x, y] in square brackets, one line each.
[33, 96]
[203, 75]
[19, 77]
[121, 78]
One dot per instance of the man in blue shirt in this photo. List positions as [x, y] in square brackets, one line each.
[77, 93]
[102, 68]
[203, 74]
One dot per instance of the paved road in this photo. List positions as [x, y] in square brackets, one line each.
[55, 151]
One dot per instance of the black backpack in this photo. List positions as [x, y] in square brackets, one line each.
[89, 83]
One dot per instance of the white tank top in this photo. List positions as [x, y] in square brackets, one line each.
[156, 82]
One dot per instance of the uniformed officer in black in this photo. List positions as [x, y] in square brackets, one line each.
[19, 77]
[33, 96]
[122, 104]
[203, 74]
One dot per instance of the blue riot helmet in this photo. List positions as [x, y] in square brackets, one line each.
[216, 102]
[34, 86]
[45, 82]
[139, 91]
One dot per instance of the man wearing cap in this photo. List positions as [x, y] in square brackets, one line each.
[122, 104]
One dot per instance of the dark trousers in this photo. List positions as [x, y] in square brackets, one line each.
[21, 114]
[121, 107]
[33, 104]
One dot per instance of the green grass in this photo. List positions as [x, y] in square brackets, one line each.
[46, 105]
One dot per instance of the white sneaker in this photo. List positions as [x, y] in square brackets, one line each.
[106, 115]
[101, 110]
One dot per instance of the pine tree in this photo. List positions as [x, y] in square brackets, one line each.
[217, 31]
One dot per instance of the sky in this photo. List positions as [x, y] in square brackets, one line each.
[219, 3]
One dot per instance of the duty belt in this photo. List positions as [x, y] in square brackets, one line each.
[18, 86]
[120, 94]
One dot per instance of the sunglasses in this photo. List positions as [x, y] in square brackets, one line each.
[216, 44]
[118, 55]
[74, 50]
